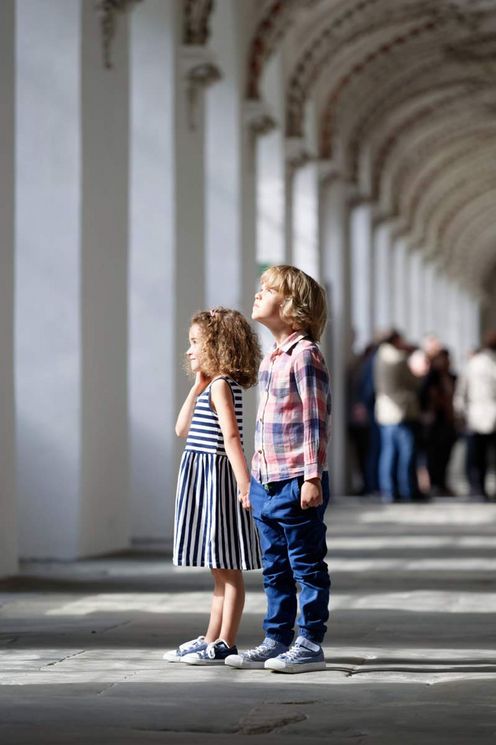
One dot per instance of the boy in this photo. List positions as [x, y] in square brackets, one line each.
[289, 489]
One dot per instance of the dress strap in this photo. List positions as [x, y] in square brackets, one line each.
[228, 380]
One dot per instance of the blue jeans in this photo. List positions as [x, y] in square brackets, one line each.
[397, 464]
[293, 544]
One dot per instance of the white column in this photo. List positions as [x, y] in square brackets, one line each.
[152, 364]
[383, 277]
[401, 294]
[167, 250]
[48, 318]
[362, 274]
[272, 226]
[8, 521]
[230, 165]
[441, 323]
[429, 297]
[335, 262]
[458, 339]
[104, 506]
[416, 322]
[305, 219]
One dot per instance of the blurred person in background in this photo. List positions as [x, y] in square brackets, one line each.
[475, 401]
[397, 412]
[438, 420]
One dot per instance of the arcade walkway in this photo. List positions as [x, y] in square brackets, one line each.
[411, 653]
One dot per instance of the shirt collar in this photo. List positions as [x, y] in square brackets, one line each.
[287, 344]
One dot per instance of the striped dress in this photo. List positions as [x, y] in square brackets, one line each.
[211, 527]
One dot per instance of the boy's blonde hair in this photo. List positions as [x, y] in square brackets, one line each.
[229, 346]
[305, 306]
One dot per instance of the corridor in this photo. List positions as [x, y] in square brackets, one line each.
[410, 650]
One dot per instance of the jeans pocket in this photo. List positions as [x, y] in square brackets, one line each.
[296, 485]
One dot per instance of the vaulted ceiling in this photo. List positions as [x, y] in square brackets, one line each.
[405, 93]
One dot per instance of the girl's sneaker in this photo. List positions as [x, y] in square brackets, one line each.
[303, 657]
[256, 658]
[178, 655]
[213, 654]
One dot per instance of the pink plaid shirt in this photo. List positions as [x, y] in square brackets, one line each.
[293, 416]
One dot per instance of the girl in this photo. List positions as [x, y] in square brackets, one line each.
[211, 527]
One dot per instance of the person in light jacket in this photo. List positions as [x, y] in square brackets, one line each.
[475, 401]
[397, 413]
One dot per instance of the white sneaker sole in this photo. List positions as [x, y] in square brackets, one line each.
[301, 667]
[237, 661]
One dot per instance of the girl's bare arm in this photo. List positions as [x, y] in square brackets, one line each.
[186, 414]
[222, 401]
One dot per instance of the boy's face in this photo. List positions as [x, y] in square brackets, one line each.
[267, 306]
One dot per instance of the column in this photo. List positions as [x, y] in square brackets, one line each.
[152, 363]
[362, 274]
[305, 227]
[401, 294]
[8, 521]
[272, 185]
[47, 305]
[336, 276]
[429, 296]
[104, 508]
[229, 168]
[383, 276]
[232, 131]
[416, 323]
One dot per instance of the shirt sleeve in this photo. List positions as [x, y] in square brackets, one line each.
[312, 383]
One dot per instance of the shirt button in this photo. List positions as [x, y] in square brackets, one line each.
[260, 452]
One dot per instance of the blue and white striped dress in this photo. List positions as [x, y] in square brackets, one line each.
[211, 527]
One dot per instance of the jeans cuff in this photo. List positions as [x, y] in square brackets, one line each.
[281, 638]
[316, 639]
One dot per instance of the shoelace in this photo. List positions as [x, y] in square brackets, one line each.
[258, 651]
[192, 643]
[293, 652]
[211, 651]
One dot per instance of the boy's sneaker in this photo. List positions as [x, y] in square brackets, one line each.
[213, 654]
[177, 655]
[304, 656]
[256, 658]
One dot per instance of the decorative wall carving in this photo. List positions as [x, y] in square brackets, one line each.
[196, 21]
[108, 11]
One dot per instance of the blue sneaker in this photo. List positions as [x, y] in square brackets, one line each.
[213, 654]
[303, 657]
[177, 655]
[256, 658]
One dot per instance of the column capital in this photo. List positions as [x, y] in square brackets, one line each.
[199, 66]
[258, 117]
[296, 152]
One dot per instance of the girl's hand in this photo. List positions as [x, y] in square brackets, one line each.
[244, 497]
[201, 382]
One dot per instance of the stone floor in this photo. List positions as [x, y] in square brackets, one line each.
[411, 648]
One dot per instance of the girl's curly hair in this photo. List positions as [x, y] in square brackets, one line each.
[305, 306]
[229, 346]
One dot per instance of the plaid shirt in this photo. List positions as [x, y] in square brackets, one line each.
[293, 416]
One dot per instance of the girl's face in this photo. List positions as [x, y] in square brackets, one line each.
[195, 346]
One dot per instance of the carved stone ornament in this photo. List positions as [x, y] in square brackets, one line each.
[196, 19]
[297, 153]
[108, 11]
[258, 117]
[199, 71]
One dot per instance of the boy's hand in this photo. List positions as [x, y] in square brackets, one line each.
[311, 494]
